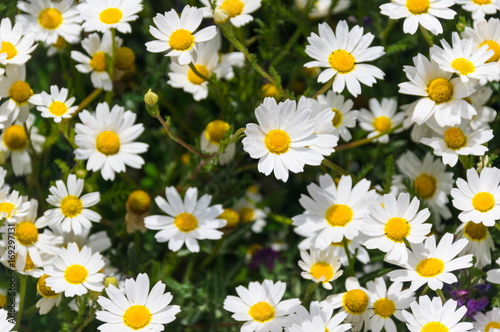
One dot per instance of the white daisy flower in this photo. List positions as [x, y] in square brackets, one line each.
[72, 211]
[480, 8]
[187, 221]
[48, 20]
[319, 319]
[466, 61]
[57, 105]
[433, 315]
[480, 242]
[343, 53]
[478, 197]
[5, 323]
[104, 15]
[75, 271]
[12, 206]
[420, 12]
[106, 140]
[249, 212]
[493, 275]
[139, 309]
[388, 225]
[486, 33]
[260, 306]
[489, 321]
[176, 36]
[431, 265]
[18, 92]
[16, 45]
[238, 10]
[49, 297]
[281, 138]
[355, 247]
[380, 118]
[441, 96]
[320, 266]
[322, 8]
[333, 212]
[211, 138]
[485, 114]
[387, 303]
[98, 241]
[344, 117]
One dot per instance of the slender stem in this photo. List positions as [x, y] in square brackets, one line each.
[284, 52]
[63, 127]
[137, 240]
[441, 295]
[427, 36]
[87, 320]
[335, 167]
[386, 31]
[110, 94]
[85, 102]
[324, 88]
[214, 252]
[22, 295]
[197, 73]
[366, 140]
[309, 291]
[350, 269]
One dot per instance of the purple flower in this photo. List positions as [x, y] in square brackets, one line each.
[264, 256]
[460, 296]
[482, 288]
[474, 306]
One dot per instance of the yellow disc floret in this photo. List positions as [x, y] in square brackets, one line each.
[430, 267]
[232, 7]
[384, 307]
[111, 16]
[492, 325]
[397, 229]
[137, 317]
[475, 232]
[382, 124]
[231, 217]
[277, 141]
[26, 233]
[139, 202]
[425, 185]
[108, 143]
[440, 90]
[338, 215]
[215, 131]
[337, 118]
[322, 269]
[9, 48]
[342, 61]
[355, 301]
[483, 202]
[455, 138]
[15, 138]
[75, 274]
[20, 92]
[247, 214]
[124, 58]
[482, 2]
[58, 108]
[43, 289]
[50, 18]
[186, 222]
[492, 45]
[434, 327]
[98, 61]
[71, 206]
[194, 78]
[8, 208]
[181, 40]
[463, 66]
[418, 7]
[262, 312]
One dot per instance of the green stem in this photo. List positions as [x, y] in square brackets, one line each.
[214, 252]
[87, 320]
[350, 259]
[386, 31]
[197, 73]
[110, 94]
[427, 36]
[22, 296]
[284, 52]
[309, 291]
[366, 140]
[441, 295]
[85, 102]
[324, 88]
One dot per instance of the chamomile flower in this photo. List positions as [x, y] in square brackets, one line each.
[433, 315]
[485, 114]
[477, 197]
[489, 321]
[480, 8]
[355, 247]
[344, 117]
[187, 221]
[175, 34]
[106, 140]
[104, 15]
[493, 275]
[486, 33]
[320, 266]
[98, 241]
[280, 141]
[322, 8]
[75, 271]
[249, 212]
[320, 318]
[16, 43]
[212, 137]
[139, 309]
[333, 212]
[49, 297]
[431, 265]
[48, 20]
[480, 242]
[12, 205]
[420, 12]
[441, 96]
[57, 105]
[72, 211]
[238, 10]
[388, 225]
[343, 53]
[380, 118]
[18, 92]
[5, 324]
[260, 306]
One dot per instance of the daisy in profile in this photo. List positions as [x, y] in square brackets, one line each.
[75, 271]
[320, 266]
[320, 318]
[480, 8]
[16, 43]
[433, 315]
[57, 105]
[344, 117]
[380, 118]
[489, 321]
[417, 12]
[260, 306]
[72, 212]
[480, 242]
[49, 298]
[343, 53]
[12, 205]
[104, 15]
[18, 92]
[49, 20]
[322, 8]
[212, 137]
[187, 221]
[280, 141]
[476, 197]
[387, 304]
[106, 140]
[388, 225]
[431, 265]
[139, 309]
[486, 33]
[175, 34]
[5, 324]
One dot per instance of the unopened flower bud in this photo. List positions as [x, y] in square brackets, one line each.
[110, 281]
[151, 100]
[139, 202]
[220, 16]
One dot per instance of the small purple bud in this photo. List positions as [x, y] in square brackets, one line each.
[482, 288]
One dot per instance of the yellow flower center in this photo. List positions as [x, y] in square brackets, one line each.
[232, 217]
[338, 215]
[60, 43]
[15, 138]
[71, 206]
[232, 7]
[269, 90]
[139, 202]
[137, 317]
[425, 185]
[124, 58]
[320, 269]
[262, 312]
[434, 327]
[43, 289]
[247, 214]
[340, 244]
[215, 131]
[8, 48]
[50, 18]
[475, 232]
[58, 108]
[8, 208]
[75, 274]
[98, 61]
[181, 40]
[492, 325]
[396, 229]
[186, 222]
[355, 301]
[382, 124]
[277, 141]
[111, 16]
[195, 79]
[29, 265]
[108, 143]
[482, 2]
[430, 267]
[455, 138]
[440, 90]
[337, 118]
[20, 92]
[342, 61]
[3, 301]
[418, 7]
[464, 66]
[483, 202]
[26, 233]
[492, 45]
[384, 307]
